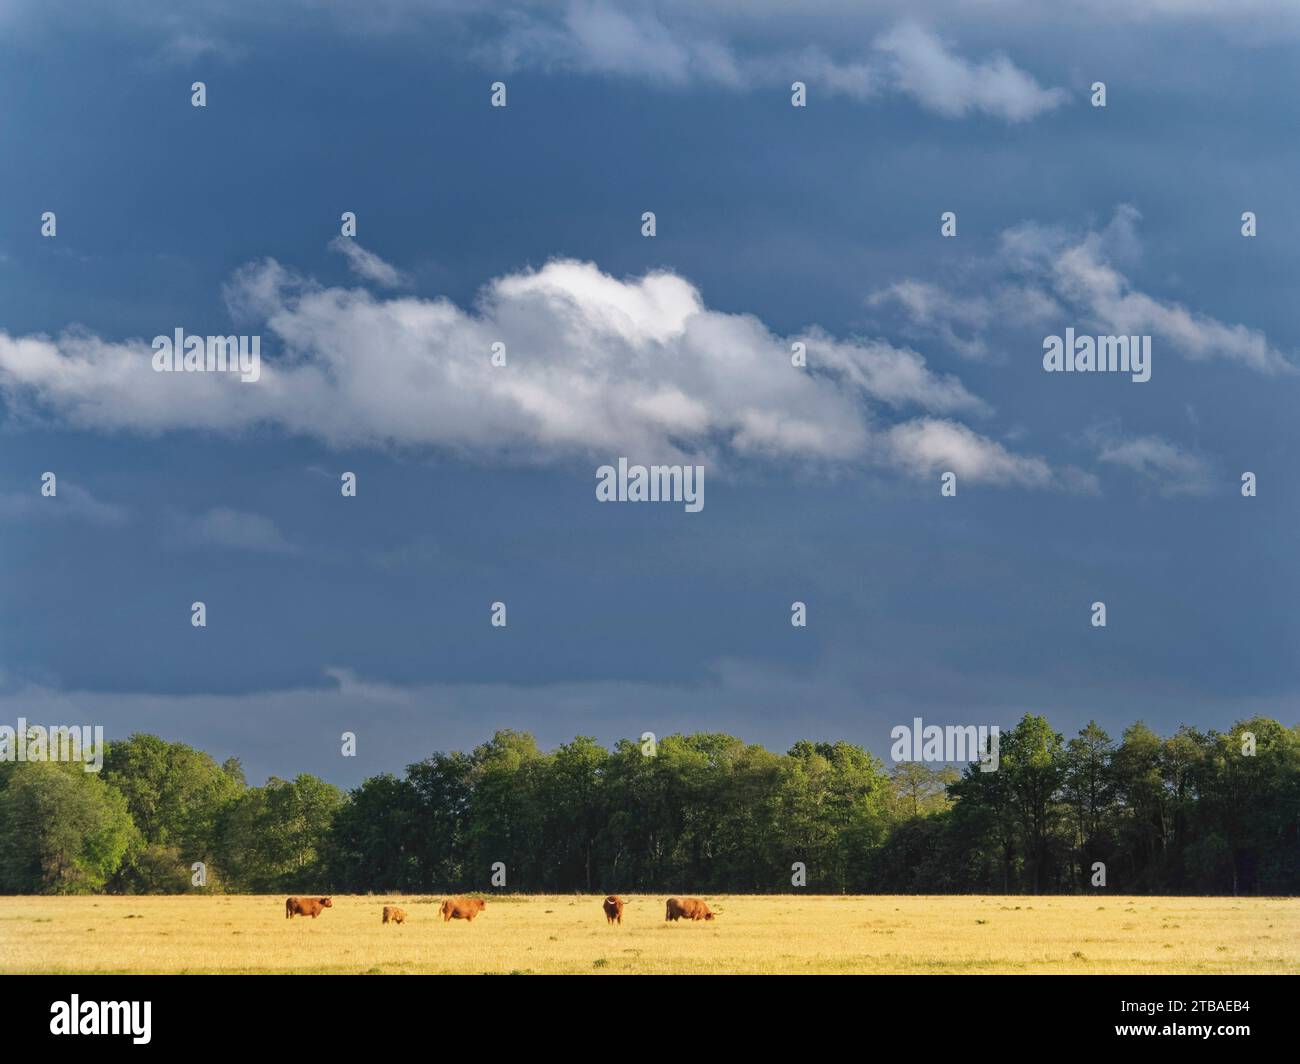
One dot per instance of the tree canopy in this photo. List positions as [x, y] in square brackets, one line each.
[1194, 812]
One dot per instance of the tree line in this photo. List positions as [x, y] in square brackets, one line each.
[1195, 812]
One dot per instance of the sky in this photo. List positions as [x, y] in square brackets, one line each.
[523, 225]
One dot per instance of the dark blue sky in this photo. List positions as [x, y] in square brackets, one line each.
[372, 614]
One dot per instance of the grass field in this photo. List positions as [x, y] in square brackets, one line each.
[568, 934]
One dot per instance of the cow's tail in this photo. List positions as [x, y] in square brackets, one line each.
[288, 909]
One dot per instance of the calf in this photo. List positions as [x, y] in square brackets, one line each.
[690, 908]
[614, 909]
[392, 914]
[306, 907]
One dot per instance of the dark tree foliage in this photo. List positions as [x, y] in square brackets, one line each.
[1196, 812]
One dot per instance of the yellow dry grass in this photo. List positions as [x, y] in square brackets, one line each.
[568, 934]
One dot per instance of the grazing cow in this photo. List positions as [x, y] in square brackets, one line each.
[690, 908]
[392, 914]
[614, 909]
[305, 907]
[462, 908]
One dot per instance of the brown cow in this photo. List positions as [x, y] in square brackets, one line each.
[393, 914]
[690, 908]
[305, 907]
[462, 908]
[614, 909]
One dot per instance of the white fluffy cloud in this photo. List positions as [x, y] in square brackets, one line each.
[928, 446]
[1048, 272]
[596, 367]
[922, 67]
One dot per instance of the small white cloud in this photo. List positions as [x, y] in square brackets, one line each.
[227, 529]
[418, 553]
[1050, 273]
[367, 265]
[921, 66]
[604, 39]
[354, 689]
[1170, 469]
[72, 502]
[928, 446]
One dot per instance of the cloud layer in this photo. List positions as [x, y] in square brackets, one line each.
[906, 60]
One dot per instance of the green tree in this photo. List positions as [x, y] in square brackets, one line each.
[1089, 791]
[374, 837]
[505, 824]
[574, 809]
[1146, 823]
[917, 789]
[65, 830]
[443, 790]
[176, 796]
[277, 837]
[1033, 759]
[1250, 800]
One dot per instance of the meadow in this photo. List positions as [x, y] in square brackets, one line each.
[540, 934]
